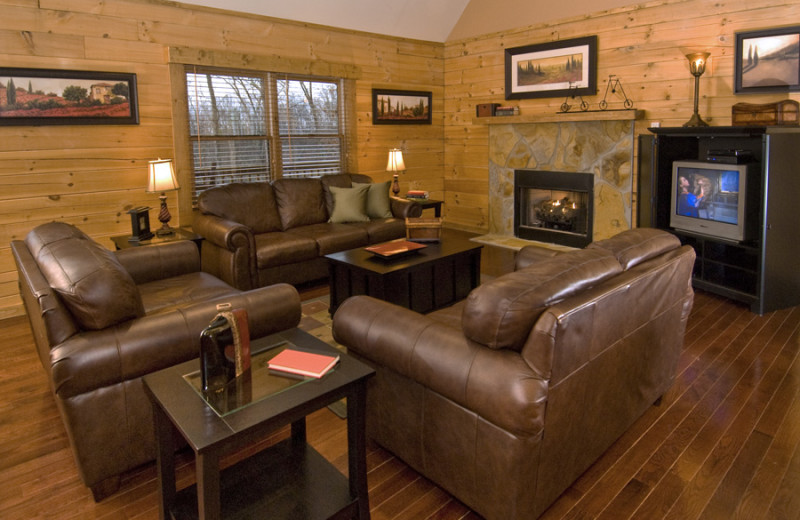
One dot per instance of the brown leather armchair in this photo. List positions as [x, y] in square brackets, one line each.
[101, 320]
[505, 398]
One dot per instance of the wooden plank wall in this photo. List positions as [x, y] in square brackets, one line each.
[91, 175]
[644, 45]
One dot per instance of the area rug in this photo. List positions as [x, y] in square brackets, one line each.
[516, 243]
[316, 320]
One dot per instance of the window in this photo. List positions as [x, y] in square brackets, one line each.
[255, 127]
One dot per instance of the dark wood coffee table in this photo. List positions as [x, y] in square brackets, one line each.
[286, 480]
[434, 277]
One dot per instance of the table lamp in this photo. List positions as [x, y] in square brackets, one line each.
[395, 165]
[697, 66]
[161, 178]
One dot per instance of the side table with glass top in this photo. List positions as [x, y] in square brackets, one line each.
[287, 480]
[123, 242]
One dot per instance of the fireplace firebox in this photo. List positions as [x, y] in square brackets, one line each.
[554, 207]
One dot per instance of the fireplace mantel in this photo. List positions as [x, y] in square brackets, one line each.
[564, 117]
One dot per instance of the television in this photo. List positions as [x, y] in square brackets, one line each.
[710, 198]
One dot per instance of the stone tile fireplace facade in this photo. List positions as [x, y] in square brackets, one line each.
[602, 148]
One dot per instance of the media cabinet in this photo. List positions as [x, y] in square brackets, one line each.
[763, 271]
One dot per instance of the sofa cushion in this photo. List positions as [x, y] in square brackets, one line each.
[249, 204]
[634, 246]
[280, 248]
[349, 204]
[378, 204]
[300, 202]
[331, 238]
[500, 313]
[92, 283]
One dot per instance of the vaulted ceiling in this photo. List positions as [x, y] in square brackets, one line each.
[432, 20]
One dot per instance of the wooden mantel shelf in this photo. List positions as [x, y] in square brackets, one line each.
[565, 117]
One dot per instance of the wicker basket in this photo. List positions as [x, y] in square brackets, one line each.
[424, 229]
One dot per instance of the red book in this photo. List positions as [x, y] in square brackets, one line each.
[303, 363]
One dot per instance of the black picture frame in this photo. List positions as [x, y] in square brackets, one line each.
[552, 69]
[140, 224]
[67, 97]
[415, 107]
[782, 60]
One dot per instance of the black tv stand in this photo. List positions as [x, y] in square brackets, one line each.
[761, 272]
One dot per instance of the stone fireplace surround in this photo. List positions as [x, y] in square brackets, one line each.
[604, 148]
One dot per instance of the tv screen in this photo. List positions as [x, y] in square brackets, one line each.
[708, 198]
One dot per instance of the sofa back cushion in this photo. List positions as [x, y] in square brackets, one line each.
[249, 204]
[95, 288]
[634, 246]
[501, 313]
[300, 202]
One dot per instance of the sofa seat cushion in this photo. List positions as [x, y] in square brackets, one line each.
[178, 291]
[94, 286]
[281, 248]
[500, 313]
[383, 229]
[332, 238]
[300, 202]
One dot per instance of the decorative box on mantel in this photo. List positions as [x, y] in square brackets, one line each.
[424, 229]
[782, 113]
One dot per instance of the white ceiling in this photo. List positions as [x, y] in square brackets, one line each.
[431, 20]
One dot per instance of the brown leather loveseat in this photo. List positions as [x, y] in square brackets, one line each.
[257, 234]
[101, 320]
[505, 398]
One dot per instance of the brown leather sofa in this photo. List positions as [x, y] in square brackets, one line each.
[507, 397]
[101, 320]
[257, 234]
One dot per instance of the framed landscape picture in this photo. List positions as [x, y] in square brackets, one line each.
[401, 107]
[67, 97]
[767, 60]
[552, 69]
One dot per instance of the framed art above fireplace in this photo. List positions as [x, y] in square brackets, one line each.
[552, 69]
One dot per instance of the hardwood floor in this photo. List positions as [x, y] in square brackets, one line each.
[724, 443]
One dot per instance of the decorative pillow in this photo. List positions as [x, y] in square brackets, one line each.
[349, 204]
[378, 205]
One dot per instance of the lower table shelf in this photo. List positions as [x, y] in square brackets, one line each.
[287, 480]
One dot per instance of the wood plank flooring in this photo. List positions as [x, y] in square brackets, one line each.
[724, 443]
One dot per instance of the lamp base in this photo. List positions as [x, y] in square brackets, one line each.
[164, 217]
[395, 185]
[696, 120]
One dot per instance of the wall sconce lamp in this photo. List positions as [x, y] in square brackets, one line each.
[161, 178]
[697, 66]
[395, 165]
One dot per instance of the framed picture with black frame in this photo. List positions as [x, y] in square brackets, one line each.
[552, 69]
[401, 107]
[67, 97]
[767, 60]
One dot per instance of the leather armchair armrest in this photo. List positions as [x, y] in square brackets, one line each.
[159, 261]
[496, 384]
[222, 232]
[530, 255]
[404, 208]
[95, 359]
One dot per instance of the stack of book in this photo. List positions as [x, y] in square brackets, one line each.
[303, 363]
[417, 194]
[506, 111]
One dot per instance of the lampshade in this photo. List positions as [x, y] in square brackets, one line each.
[395, 163]
[697, 62]
[161, 176]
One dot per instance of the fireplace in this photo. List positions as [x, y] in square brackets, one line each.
[554, 207]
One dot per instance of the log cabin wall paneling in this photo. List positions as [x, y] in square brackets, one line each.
[644, 45]
[91, 175]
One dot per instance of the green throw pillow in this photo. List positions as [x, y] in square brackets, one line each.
[378, 205]
[349, 204]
